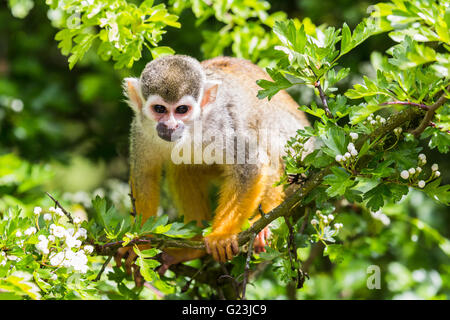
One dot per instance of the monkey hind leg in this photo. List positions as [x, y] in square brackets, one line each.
[272, 198]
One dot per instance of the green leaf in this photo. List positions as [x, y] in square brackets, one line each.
[376, 197]
[438, 193]
[346, 39]
[271, 88]
[439, 139]
[159, 52]
[339, 181]
[336, 141]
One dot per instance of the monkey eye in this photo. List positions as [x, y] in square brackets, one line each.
[182, 109]
[159, 108]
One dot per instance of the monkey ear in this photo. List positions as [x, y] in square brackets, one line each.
[210, 93]
[133, 92]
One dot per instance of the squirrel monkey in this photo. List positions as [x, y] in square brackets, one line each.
[176, 100]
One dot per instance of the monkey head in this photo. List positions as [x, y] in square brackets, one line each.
[170, 94]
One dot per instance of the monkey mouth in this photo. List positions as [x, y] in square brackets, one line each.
[169, 135]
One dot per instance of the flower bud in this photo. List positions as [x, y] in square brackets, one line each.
[421, 184]
[404, 174]
[435, 167]
[353, 135]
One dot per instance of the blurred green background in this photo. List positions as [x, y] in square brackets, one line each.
[66, 132]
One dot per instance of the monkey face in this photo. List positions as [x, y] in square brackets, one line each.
[171, 118]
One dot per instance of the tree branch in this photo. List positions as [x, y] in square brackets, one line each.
[323, 98]
[430, 113]
[406, 103]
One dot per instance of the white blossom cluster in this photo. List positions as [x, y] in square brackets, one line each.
[62, 245]
[374, 120]
[351, 152]
[322, 220]
[412, 174]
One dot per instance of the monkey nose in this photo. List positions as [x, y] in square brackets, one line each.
[168, 133]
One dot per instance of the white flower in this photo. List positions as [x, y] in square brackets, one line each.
[76, 220]
[421, 184]
[404, 174]
[347, 155]
[89, 249]
[18, 234]
[81, 233]
[78, 261]
[370, 118]
[354, 153]
[330, 217]
[373, 122]
[325, 220]
[351, 146]
[37, 210]
[59, 231]
[54, 277]
[338, 226]
[47, 217]
[59, 212]
[51, 238]
[422, 157]
[437, 173]
[338, 158]
[72, 242]
[30, 231]
[353, 135]
[57, 258]
[43, 246]
[419, 169]
[52, 209]
[42, 237]
[314, 222]
[70, 232]
[382, 120]
[435, 167]
[412, 171]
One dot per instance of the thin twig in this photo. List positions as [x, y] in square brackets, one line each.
[305, 221]
[228, 276]
[188, 284]
[323, 98]
[293, 259]
[430, 113]
[432, 124]
[68, 215]
[103, 268]
[247, 266]
[133, 201]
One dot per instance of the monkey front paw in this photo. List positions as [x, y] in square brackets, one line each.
[222, 247]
